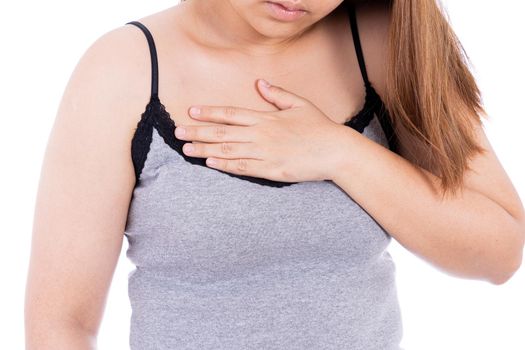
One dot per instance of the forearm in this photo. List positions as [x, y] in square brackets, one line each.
[469, 235]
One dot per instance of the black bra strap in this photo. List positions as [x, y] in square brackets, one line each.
[357, 43]
[154, 61]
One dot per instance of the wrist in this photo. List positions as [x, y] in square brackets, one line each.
[344, 153]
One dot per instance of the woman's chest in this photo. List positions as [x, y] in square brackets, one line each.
[326, 73]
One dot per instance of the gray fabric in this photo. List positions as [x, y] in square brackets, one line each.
[224, 263]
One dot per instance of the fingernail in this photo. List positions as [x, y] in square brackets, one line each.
[188, 147]
[195, 110]
[264, 83]
[180, 131]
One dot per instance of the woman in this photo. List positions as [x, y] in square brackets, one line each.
[370, 129]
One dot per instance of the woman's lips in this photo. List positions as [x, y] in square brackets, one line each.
[288, 5]
[283, 13]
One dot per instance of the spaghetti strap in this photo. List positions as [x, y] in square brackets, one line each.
[357, 43]
[154, 60]
[154, 117]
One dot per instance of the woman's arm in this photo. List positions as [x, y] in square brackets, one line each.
[85, 187]
[477, 235]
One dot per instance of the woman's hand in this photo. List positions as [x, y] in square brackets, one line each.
[297, 143]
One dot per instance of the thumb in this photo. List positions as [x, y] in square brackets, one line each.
[278, 96]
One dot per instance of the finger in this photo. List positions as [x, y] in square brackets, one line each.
[281, 98]
[241, 166]
[227, 150]
[225, 114]
[214, 133]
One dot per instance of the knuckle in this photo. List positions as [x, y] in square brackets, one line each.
[242, 165]
[229, 111]
[226, 147]
[285, 174]
[220, 131]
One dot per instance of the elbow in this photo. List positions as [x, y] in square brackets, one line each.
[513, 259]
[504, 276]
[44, 329]
[58, 335]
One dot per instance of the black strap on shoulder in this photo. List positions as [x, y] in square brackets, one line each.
[357, 42]
[154, 61]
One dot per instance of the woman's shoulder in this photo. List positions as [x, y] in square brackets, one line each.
[114, 72]
[102, 102]
[170, 28]
[121, 58]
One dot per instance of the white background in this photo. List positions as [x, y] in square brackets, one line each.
[42, 42]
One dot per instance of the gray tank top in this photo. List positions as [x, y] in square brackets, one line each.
[224, 261]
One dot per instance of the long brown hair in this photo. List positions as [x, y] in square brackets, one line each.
[430, 89]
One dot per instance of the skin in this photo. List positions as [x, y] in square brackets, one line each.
[87, 175]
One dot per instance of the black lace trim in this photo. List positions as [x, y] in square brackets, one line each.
[156, 116]
[374, 106]
[386, 124]
[141, 141]
[361, 120]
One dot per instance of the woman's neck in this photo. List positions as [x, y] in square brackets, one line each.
[218, 24]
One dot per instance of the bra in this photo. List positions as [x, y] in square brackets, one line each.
[156, 116]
